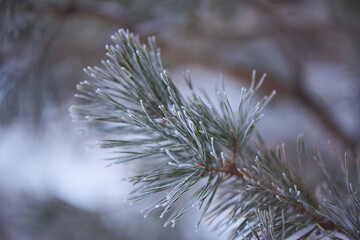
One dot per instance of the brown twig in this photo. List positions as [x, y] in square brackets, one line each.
[231, 170]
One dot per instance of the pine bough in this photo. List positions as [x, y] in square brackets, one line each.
[190, 143]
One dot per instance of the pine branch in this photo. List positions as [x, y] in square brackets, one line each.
[196, 145]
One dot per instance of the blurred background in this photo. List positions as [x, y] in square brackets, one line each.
[53, 187]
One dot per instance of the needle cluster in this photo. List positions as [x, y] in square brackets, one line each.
[194, 145]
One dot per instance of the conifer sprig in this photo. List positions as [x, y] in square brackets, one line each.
[192, 144]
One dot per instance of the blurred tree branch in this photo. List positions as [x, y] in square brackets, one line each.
[276, 30]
